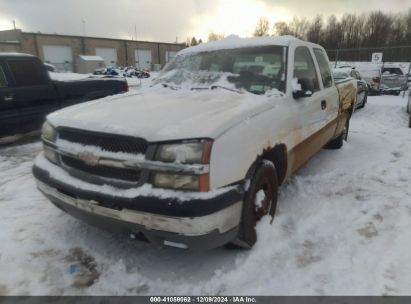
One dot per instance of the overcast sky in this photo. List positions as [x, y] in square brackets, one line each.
[164, 20]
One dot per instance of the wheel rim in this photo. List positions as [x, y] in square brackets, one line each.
[262, 200]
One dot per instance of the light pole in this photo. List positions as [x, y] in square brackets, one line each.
[84, 26]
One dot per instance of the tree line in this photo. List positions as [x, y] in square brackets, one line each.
[351, 34]
[373, 30]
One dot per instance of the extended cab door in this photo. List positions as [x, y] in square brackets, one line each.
[9, 114]
[329, 94]
[31, 91]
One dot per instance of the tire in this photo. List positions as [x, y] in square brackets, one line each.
[364, 101]
[265, 179]
[336, 143]
[409, 122]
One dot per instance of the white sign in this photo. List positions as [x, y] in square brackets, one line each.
[376, 57]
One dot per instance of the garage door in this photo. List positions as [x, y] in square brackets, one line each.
[143, 59]
[59, 56]
[109, 55]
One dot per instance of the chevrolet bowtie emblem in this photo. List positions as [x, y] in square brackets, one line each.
[89, 158]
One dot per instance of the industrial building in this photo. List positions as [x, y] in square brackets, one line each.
[62, 50]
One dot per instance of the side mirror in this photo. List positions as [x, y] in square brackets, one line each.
[300, 94]
[302, 88]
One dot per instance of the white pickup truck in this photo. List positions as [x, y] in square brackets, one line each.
[196, 160]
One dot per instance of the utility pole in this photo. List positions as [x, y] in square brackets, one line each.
[135, 31]
[84, 27]
[14, 24]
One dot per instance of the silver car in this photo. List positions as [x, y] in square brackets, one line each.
[393, 80]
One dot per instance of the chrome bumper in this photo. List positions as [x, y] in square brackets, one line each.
[223, 220]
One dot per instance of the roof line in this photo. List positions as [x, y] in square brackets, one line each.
[92, 37]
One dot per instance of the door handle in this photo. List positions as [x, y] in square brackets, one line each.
[8, 98]
[323, 104]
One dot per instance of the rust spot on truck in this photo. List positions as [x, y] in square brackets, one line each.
[277, 155]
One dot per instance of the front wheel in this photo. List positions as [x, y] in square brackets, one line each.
[259, 200]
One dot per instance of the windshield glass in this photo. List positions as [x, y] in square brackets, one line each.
[256, 70]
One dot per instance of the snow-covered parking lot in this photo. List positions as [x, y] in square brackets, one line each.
[343, 227]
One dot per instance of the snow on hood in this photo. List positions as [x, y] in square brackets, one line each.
[163, 114]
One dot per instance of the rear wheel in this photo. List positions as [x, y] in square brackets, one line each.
[260, 199]
[336, 143]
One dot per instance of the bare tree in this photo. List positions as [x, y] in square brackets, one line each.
[262, 28]
[298, 27]
[315, 29]
[281, 28]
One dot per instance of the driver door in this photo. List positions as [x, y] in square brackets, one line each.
[309, 112]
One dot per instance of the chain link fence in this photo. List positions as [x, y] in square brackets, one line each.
[390, 54]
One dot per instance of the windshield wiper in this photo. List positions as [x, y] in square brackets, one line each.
[213, 87]
[170, 86]
[199, 88]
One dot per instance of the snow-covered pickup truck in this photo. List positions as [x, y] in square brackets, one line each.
[196, 160]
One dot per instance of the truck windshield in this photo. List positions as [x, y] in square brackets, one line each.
[257, 70]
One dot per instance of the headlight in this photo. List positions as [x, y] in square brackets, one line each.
[48, 132]
[187, 153]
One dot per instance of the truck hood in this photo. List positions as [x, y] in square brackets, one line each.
[164, 114]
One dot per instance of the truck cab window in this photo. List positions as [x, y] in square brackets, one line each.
[27, 73]
[3, 80]
[304, 69]
[324, 68]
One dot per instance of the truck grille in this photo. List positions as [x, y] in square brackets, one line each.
[107, 142]
[129, 175]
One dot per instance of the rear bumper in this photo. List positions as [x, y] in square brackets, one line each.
[202, 228]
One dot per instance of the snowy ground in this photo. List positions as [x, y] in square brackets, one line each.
[342, 227]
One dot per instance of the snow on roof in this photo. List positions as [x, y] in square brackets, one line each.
[10, 41]
[16, 54]
[234, 42]
[91, 58]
